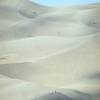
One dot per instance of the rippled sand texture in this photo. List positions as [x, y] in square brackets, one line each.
[49, 53]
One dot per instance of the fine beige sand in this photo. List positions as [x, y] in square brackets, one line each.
[47, 49]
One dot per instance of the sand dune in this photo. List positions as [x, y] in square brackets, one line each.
[43, 21]
[12, 52]
[46, 49]
[54, 96]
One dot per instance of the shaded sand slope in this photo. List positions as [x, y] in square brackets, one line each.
[11, 88]
[43, 49]
[54, 96]
[15, 16]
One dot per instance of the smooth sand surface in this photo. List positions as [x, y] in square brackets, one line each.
[45, 49]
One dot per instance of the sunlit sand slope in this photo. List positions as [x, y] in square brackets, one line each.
[49, 52]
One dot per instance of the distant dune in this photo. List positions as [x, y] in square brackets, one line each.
[45, 49]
